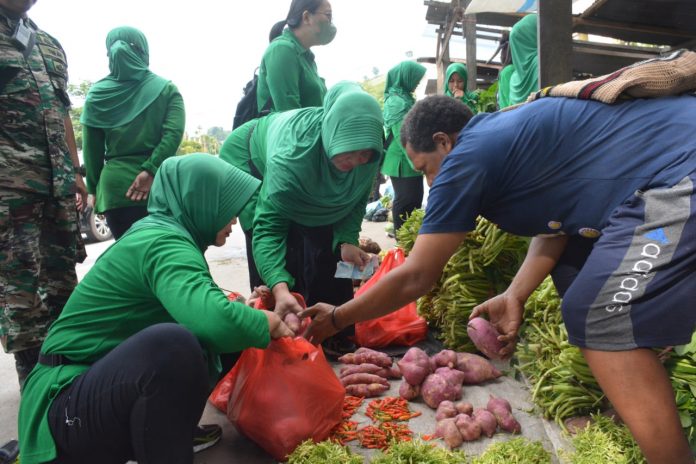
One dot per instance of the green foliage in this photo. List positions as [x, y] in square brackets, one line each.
[218, 133]
[189, 146]
[604, 441]
[79, 92]
[516, 450]
[327, 451]
[375, 87]
[418, 451]
[488, 99]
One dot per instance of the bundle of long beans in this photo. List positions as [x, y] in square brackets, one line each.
[561, 382]
[483, 266]
[562, 385]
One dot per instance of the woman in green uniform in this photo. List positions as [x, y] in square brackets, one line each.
[288, 77]
[520, 78]
[402, 81]
[456, 79]
[246, 149]
[125, 370]
[317, 166]
[132, 120]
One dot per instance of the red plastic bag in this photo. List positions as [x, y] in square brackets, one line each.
[284, 395]
[221, 393]
[401, 327]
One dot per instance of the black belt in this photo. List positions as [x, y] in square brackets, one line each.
[53, 360]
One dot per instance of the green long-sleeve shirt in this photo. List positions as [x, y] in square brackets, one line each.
[114, 157]
[150, 276]
[396, 161]
[288, 76]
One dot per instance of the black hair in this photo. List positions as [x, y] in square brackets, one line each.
[437, 113]
[294, 17]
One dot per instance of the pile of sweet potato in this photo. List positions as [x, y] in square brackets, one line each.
[367, 372]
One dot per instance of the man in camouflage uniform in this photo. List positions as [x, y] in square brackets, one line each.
[39, 233]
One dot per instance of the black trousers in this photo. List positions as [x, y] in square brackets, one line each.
[312, 261]
[408, 195]
[140, 402]
[120, 219]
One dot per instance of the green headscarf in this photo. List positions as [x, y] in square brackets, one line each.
[504, 86]
[197, 195]
[301, 181]
[469, 98]
[130, 86]
[523, 45]
[402, 81]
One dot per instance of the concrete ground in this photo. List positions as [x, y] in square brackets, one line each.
[228, 267]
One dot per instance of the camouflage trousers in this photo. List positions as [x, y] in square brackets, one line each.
[40, 243]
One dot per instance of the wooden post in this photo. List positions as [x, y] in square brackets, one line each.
[469, 33]
[555, 42]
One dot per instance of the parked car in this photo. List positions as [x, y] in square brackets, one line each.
[94, 225]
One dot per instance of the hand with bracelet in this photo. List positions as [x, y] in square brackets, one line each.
[326, 321]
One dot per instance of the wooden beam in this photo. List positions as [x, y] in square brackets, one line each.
[593, 8]
[591, 25]
[443, 55]
[469, 33]
[555, 42]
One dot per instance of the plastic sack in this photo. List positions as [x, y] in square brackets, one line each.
[402, 327]
[284, 395]
[221, 393]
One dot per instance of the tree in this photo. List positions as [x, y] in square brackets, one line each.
[375, 87]
[78, 92]
[189, 146]
[218, 133]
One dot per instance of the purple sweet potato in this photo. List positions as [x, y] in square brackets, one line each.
[468, 427]
[502, 411]
[409, 392]
[476, 369]
[463, 407]
[485, 337]
[392, 372]
[364, 368]
[366, 390]
[453, 376]
[414, 366]
[486, 420]
[445, 358]
[293, 322]
[364, 355]
[447, 429]
[445, 410]
[356, 379]
[436, 389]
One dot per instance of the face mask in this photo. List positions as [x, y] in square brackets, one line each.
[327, 32]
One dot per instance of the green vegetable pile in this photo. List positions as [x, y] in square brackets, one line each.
[604, 441]
[309, 452]
[418, 451]
[562, 385]
[518, 450]
[681, 365]
[483, 266]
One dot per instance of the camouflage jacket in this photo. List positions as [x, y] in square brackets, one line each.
[34, 156]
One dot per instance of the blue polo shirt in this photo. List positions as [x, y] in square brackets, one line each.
[561, 165]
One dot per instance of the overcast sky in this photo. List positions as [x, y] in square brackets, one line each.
[210, 48]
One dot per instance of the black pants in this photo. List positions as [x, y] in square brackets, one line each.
[140, 402]
[408, 195]
[571, 262]
[120, 219]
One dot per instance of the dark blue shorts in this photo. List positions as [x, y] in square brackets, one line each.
[637, 288]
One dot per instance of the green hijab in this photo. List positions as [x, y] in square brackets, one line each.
[402, 81]
[130, 86]
[504, 86]
[523, 45]
[469, 98]
[301, 181]
[196, 195]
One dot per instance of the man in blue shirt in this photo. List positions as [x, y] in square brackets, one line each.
[607, 192]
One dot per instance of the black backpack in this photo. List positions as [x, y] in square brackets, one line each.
[247, 109]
